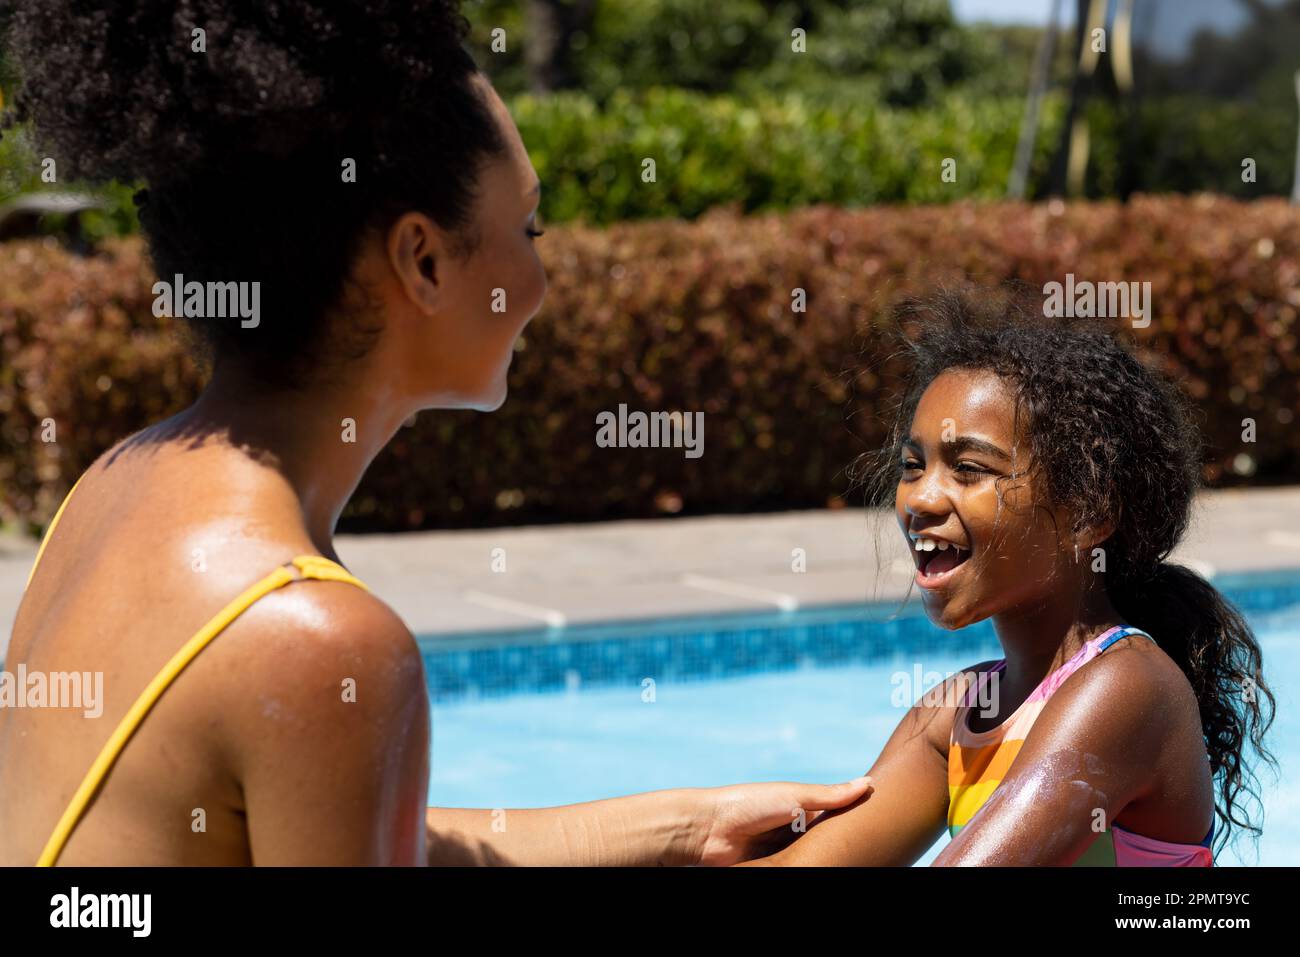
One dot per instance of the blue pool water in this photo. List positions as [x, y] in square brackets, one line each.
[537, 720]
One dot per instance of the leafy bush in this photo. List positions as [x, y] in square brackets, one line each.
[768, 152]
[896, 52]
[1190, 142]
[778, 152]
[20, 173]
[695, 317]
[764, 152]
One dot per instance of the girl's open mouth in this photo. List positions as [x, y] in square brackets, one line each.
[937, 561]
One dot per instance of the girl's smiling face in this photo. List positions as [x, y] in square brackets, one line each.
[965, 493]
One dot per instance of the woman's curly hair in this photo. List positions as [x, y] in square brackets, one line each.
[1108, 440]
[241, 140]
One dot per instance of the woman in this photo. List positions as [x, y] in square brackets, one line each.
[370, 182]
[1040, 475]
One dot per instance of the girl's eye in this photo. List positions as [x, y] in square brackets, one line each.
[534, 233]
[969, 471]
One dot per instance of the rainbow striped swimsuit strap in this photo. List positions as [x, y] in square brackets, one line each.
[1090, 650]
[305, 566]
[1108, 638]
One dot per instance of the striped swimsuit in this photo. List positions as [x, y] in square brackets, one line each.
[978, 762]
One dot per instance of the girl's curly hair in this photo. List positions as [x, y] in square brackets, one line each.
[1107, 439]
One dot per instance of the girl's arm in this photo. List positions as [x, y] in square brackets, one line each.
[682, 826]
[1095, 748]
[909, 807]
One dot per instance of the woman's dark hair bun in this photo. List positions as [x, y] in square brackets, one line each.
[269, 143]
[128, 90]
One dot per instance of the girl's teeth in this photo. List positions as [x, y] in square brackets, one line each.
[930, 544]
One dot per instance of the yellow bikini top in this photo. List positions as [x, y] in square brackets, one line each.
[303, 567]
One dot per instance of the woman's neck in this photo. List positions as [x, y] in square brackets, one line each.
[319, 440]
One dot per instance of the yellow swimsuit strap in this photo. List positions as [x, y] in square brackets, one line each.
[45, 539]
[308, 566]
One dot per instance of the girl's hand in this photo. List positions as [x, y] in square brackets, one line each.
[753, 820]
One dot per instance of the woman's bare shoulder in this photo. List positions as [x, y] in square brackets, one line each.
[313, 628]
[313, 665]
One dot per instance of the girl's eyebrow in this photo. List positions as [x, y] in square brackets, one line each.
[965, 443]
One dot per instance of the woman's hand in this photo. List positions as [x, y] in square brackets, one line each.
[747, 821]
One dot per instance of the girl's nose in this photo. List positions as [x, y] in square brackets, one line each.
[925, 496]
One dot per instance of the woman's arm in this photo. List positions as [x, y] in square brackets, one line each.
[332, 717]
[682, 826]
[657, 828]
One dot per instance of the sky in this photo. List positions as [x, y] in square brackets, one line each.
[1167, 25]
[1009, 11]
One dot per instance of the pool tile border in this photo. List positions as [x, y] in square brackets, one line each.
[483, 665]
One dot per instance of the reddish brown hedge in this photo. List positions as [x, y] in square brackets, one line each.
[696, 317]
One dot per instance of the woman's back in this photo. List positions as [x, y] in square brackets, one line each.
[154, 542]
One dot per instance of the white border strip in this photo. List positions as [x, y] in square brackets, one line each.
[736, 590]
[555, 619]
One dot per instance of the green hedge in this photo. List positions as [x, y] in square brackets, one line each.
[768, 152]
[696, 317]
[777, 152]
[764, 152]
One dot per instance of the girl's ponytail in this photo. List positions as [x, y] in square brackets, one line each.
[1215, 648]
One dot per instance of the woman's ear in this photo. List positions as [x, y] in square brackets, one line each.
[415, 253]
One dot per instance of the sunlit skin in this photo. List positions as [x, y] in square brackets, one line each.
[1119, 741]
[171, 524]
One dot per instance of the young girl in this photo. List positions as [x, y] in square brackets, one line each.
[1040, 476]
[293, 726]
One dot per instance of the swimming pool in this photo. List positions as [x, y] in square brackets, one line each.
[539, 718]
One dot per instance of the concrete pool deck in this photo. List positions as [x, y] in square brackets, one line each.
[444, 583]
